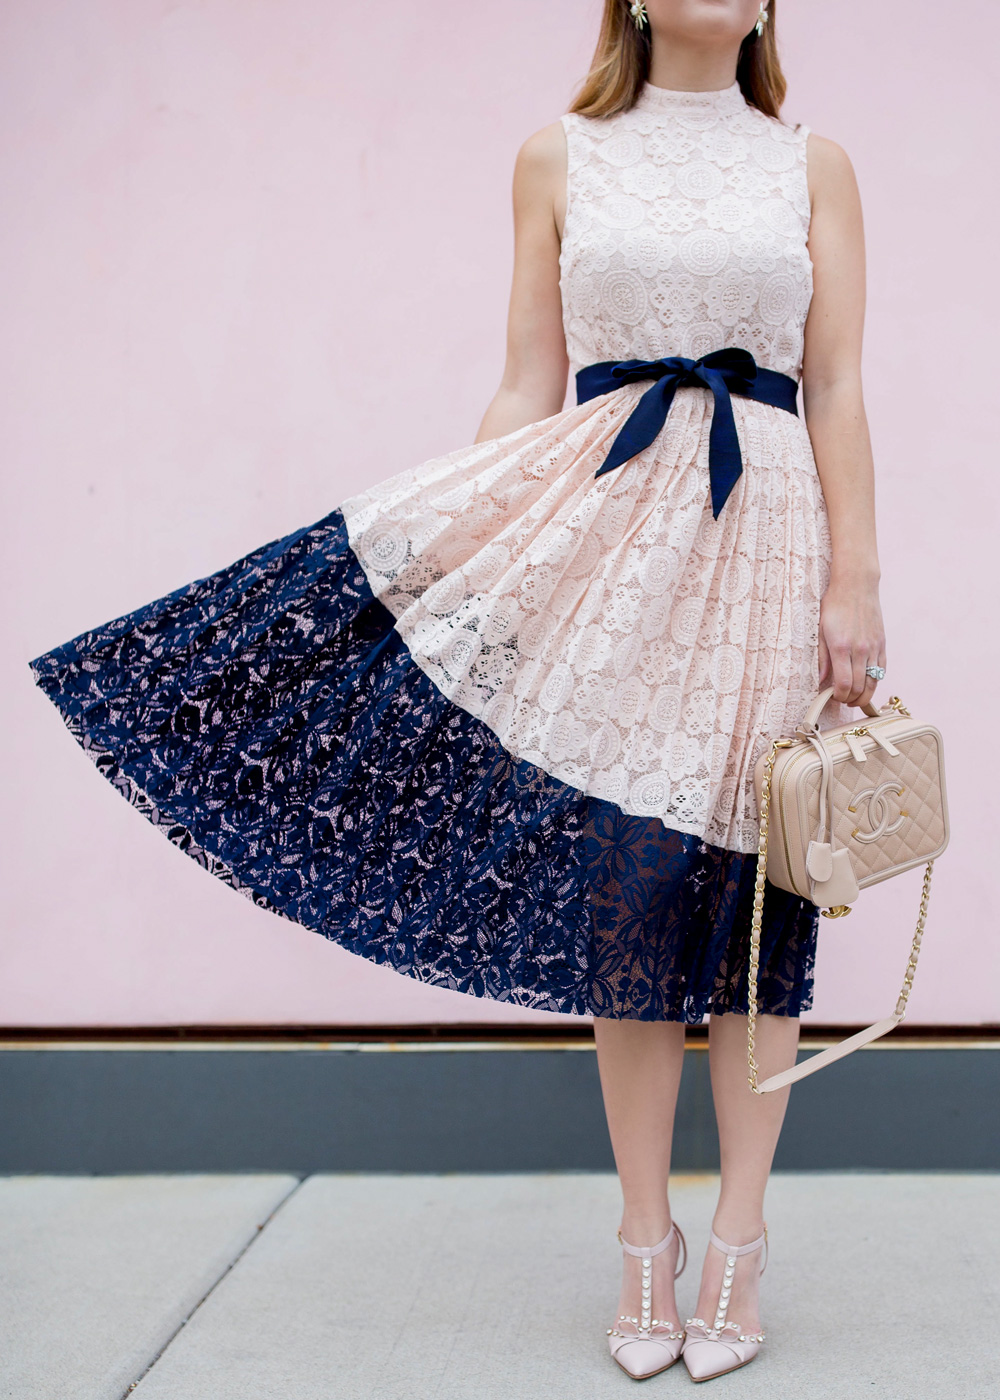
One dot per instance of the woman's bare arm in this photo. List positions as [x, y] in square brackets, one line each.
[534, 378]
[851, 630]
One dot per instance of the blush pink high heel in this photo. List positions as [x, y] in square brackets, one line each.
[712, 1351]
[654, 1345]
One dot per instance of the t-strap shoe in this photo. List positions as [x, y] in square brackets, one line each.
[712, 1351]
[652, 1345]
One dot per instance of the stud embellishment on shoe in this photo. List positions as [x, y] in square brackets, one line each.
[647, 1285]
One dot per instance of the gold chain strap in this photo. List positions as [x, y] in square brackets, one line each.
[758, 910]
[911, 966]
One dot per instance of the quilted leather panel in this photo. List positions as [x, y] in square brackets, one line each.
[899, 817]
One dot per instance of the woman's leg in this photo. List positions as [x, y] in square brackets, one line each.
[749, 1125]
[640, 1067]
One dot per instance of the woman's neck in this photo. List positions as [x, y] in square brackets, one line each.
[692, 68]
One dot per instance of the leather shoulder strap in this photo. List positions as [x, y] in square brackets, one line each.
[827, 1057]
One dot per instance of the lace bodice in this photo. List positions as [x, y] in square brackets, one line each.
[686, 227]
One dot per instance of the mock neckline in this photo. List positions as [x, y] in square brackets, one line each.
[658, 99]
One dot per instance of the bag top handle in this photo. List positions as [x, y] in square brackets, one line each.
[816, 709]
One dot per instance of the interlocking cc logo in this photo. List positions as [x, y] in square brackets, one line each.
[878, 811]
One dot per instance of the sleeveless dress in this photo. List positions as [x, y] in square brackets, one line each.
[493, 721]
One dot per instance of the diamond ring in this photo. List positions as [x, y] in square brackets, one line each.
[877, 673]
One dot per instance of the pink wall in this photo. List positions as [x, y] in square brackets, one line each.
[229, 222]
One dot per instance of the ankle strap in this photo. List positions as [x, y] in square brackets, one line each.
[650, 1251]
[735, 1250]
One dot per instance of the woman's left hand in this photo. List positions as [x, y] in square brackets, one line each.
[851, 637]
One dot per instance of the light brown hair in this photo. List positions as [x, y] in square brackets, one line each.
[620, 66]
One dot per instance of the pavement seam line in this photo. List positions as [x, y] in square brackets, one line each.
[129, 1389]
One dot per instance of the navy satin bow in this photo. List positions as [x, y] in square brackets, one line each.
[724, 372]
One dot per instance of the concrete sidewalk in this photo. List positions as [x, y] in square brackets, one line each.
[471, 1287]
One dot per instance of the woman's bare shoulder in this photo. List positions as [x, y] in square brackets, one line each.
[544, 152]
[830, 168]
[540, 175]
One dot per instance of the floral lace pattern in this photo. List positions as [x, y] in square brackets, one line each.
[270, 721]
[686, 229]
[611, 632]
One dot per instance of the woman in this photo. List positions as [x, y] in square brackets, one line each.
[493, 722]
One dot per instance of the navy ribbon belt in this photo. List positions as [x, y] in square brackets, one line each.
[725, 372]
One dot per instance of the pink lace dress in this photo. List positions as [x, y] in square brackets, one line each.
[494, 720]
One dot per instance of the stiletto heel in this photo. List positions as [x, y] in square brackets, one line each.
[646, 1352]
[708, 1352]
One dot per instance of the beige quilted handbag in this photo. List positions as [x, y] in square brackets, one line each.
[841, 809]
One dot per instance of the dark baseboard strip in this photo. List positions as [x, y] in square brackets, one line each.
[318, 1106]
[572, 1031]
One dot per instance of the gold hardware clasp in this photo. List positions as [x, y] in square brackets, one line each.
[836, 911]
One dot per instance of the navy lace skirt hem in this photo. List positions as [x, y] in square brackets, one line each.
[271, 722]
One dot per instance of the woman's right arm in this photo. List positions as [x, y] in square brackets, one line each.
[534, 378]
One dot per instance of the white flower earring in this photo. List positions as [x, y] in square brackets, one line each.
[761, 19]
[638, 12]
